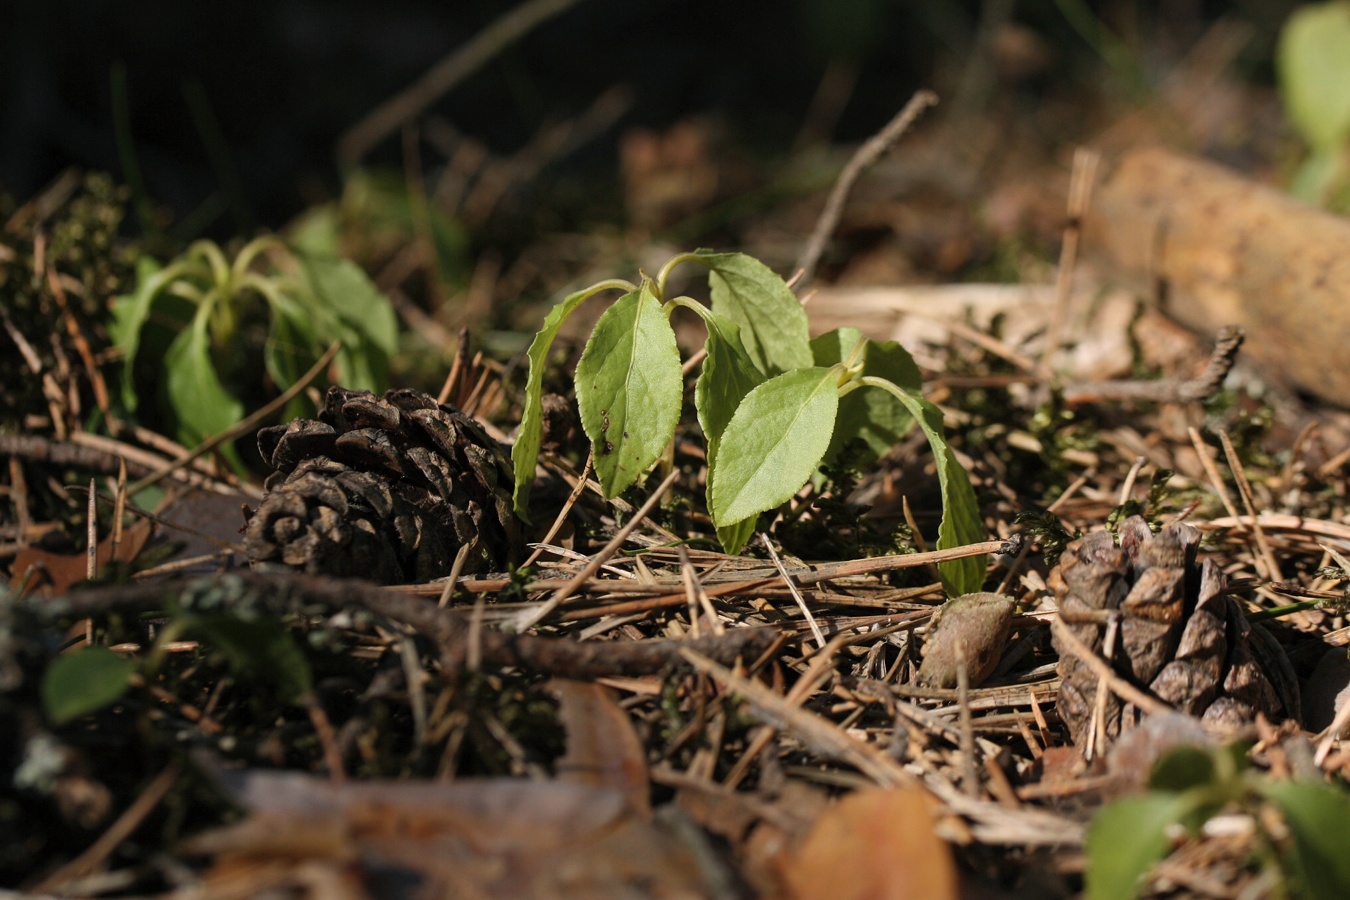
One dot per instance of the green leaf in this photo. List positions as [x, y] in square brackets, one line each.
[315, 232]
[960, 510]
[290, 350]
[1124, 841]
[525, 452]
[734, 537]
[1316, 815]
[348, 307]
[728, 374]
[84, 681]
[628, 388]
[772, 444]
[1183, 768]
[129, 316]
[261, 650]
[199, 400]
[771, 318]
[876, 417]
[1312, 60]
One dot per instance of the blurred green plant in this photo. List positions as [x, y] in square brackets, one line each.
[257, 649]
[773, 404]
[197, 326]
[1312, 60]
[1299, 825]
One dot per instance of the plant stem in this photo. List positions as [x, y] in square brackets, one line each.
[664, 274]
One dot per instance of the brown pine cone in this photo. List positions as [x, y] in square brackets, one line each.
[387, 489]
[1177, 633]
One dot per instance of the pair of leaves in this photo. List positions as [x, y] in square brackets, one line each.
[1128, 837]
[761, 328]
[768, 400]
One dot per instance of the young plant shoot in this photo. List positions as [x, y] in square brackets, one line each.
[773, 404]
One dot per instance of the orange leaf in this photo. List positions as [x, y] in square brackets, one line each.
[874, 844]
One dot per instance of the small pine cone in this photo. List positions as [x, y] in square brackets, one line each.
[389, 489]
[1176, 633]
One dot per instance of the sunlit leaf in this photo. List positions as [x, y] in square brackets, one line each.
[1316, 815]
[875, 417]
[734, 537]
[350, 308]
[1125, 840]
[629, 385]
[772, 444]
[84, 681]
[728, 374]
[771, 319]
[960, 510]
[525, 452]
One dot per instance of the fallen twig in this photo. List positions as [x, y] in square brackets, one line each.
[866, 157]
[1168, 390]
[285, 593]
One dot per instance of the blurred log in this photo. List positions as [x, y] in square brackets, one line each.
[1219, 249]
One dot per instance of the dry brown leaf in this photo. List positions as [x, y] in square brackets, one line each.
[494, 837]
[603, 750]
[49, 574]
[874, 844]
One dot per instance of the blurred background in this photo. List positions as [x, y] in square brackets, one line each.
[232, 111]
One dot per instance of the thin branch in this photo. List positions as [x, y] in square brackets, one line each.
[1168, 390]
[285, 594]
[867, 155]
[406, 105]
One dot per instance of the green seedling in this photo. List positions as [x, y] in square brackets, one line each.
[1304, 839]
[206, 307]
[1312, 60]
[772, 403]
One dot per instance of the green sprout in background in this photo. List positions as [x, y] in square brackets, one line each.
[1313, 63]
[206, 314]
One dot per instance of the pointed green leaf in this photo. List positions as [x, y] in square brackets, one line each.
[771, 318]
[629, 386]
[772, 444]
[960, 510]
[728, 374]
[200, 401]
[876, 417]
[84, 681]
[1312, 59]
[525, 452]
[130, 313]
[258, 649]
[348, 307]
[290, 350]
[1125, 840]
[1316, 815]
[733, 538]
[1185, 767]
